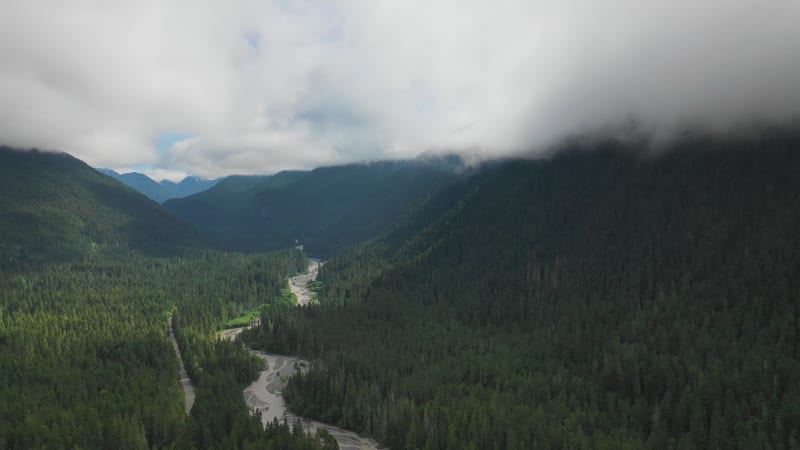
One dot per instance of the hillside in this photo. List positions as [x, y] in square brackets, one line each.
[324, 209]
[604, 298]
[54, 207]
[161, 191]
[85, 300]
[225, 203]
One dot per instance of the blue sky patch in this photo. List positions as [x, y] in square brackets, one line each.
[164, 141]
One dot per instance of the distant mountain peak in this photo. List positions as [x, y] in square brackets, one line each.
[163, 190]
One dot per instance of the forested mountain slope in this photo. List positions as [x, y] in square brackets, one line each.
[324, 209]
[89, 282]
[607, 297]
[54, 207]
[225, 203]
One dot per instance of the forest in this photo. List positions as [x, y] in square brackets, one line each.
[86, 362]
[326, 209]
[603, 298]
[91, 273]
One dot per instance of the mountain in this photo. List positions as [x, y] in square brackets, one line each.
[189, 186]
[163, 190]
[87, 306]
[225, 201]
[323, 209]
[54, 207]
[607, 298]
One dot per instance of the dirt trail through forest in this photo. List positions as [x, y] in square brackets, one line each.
[186, 382]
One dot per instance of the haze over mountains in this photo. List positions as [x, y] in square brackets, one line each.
[260, 87]
[163, 190]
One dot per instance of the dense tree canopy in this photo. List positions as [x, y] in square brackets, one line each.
[86, 362]
[599, 299]
[603, 298]
[324, 209]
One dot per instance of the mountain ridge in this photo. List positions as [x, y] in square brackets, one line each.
[324, 209]
[55, 207]
[161, 191]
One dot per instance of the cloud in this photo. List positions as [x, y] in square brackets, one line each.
[262, 85]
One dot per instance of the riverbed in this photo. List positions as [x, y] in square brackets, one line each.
[264, 394]
[299, 284]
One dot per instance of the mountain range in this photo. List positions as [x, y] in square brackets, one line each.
[161, 191]
[323, 209]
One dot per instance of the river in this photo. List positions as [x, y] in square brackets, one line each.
[265, 393]
[299, 284]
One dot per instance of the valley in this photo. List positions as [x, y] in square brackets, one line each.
[595, 299]
[264, 394]
[364, 225]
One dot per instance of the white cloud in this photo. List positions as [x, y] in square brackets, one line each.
[264, 85]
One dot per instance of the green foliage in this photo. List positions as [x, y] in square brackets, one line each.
[287, 297]
[243, 320]
[600, 299]
[86, 362]
[221, 369]
[316, 286]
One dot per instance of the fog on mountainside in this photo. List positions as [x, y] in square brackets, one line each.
[604, 298]
[260, 87]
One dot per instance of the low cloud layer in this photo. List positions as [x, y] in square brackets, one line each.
[255, 86]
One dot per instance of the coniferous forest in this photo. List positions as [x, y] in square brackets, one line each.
[87, 364]
[84, 311]
[400, 225]
[605, 297]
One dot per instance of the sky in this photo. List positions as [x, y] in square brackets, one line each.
[210, 88]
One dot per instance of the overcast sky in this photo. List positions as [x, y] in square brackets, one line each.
[213, 87]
